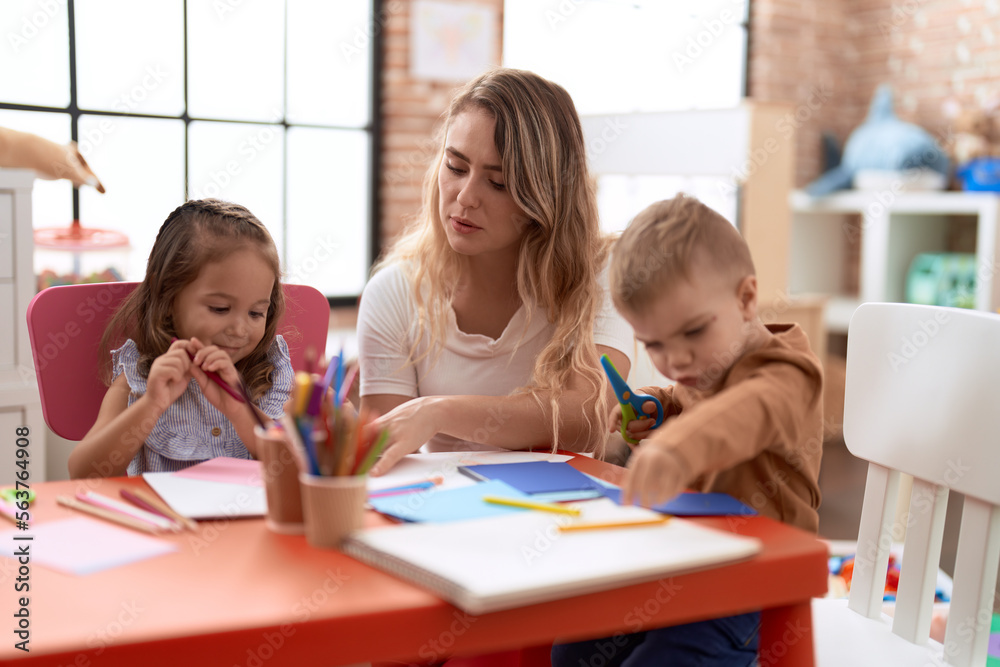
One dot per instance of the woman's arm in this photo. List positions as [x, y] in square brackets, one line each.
[512, 422]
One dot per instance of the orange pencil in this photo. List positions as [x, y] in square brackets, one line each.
[600, 525]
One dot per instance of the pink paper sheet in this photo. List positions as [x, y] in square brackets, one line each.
[83, 545]
[224, 469]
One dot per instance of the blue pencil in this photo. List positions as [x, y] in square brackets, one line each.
[304, 427]
[419, 486]
[340, 377]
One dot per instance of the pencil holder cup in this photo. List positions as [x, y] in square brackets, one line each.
[334, 506]
[280, 468]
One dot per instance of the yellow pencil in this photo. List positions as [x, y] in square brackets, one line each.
[527, 504]
[599, 525]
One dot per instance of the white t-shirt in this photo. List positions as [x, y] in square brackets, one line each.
[469, 364]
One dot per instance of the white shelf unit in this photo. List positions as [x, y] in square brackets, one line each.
[894, 228]
[19, 401]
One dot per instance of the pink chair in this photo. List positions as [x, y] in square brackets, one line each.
[65, 325]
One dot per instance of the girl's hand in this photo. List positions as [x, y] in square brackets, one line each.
[209, 358]
[169, 375]
[410, 425]
[653, 476]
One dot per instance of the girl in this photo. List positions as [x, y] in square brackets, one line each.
[484, 325]
[210, 302]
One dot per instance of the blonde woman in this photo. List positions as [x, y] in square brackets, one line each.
[483, 326]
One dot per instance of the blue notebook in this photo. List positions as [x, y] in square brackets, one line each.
[537, 477]
[696, 504]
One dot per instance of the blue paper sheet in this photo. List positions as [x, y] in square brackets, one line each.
[443, 505]
[536, 476]
[696, 504]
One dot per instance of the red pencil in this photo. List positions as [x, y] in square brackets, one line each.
[214, 377]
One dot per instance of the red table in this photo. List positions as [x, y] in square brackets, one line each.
[238, 594]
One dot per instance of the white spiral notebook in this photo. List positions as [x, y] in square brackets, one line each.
[487, 565]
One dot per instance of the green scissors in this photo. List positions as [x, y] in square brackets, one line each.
[630, 401]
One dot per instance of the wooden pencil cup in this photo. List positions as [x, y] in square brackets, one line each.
[334, 506]
[280, 467]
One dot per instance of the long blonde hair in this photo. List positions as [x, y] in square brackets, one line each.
[541, 147]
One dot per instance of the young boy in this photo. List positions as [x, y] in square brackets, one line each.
[745, 417]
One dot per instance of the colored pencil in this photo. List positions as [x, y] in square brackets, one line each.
[217, 379]
[340, 376]
[288, 424]
[107, 515]
[245, 390]
[600, 525]
[528, 504]
[372, 455]
[154, 504]
[113, 505]
[409, 488]
[348, 384]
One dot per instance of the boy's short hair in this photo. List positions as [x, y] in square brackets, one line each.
[661, 243]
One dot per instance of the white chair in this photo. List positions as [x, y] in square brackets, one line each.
[922, 398]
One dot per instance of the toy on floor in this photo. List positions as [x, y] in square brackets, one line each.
[842, 571]
[993, 652]
[884, 143]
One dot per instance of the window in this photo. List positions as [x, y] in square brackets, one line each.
[635, 56]
[268, 104]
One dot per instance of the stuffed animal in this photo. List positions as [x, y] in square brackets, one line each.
[47, 158]
[882, 143]
[972, 138]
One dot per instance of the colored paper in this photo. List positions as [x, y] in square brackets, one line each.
[418, 467]
[696, 504]
[438, 506]
[225, 469]
[206, 498]
[536, 476]
[82, 545]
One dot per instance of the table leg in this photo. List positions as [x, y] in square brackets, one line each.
[786, 636]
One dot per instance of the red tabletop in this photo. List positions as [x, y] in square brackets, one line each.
[238, 594]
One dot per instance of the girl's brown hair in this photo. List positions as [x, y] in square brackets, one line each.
[540, 142]
[196, 233]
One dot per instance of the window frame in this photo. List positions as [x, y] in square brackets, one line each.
[373, 128]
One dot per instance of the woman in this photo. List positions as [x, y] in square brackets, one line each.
[484, 325]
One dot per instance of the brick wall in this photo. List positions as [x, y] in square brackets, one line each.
[928, 50]
[411, 115]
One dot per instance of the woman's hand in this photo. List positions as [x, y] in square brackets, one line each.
[410, 425]
[169, 375]
[210, 358]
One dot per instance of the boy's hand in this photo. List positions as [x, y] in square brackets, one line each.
[169, 375]
[211, 358]
[639, 428]
[653, 476]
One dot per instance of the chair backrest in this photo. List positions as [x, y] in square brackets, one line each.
[65, 325]
[921, 398]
